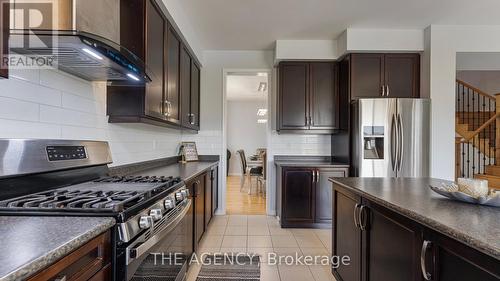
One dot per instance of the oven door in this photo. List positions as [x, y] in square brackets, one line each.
[163, 252]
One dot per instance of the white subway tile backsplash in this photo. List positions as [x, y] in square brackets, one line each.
[79, 103]
[57, 115]
[22, 90]
[61, 81]
[22, 129]
[14, 109]
[82, 133]
[30, 75]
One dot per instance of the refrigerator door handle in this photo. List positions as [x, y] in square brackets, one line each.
[394, 143]
[400, 143]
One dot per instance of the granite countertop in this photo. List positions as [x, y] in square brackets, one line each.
[185, 171]
[474, 225]
[30, 244]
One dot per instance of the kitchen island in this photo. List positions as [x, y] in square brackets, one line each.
[399, 229]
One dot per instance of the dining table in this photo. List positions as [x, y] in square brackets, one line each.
[253, 162]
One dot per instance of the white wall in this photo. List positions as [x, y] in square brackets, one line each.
[484, 80]
[478, 61]
[306, 50]
[443, 43]
[386, 40]
[243, 131]
[51, 105]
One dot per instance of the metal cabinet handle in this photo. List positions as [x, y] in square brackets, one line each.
[388, 91]
[60, 278]
[425, 246]
[317, 175]
[383, 90]
[362, 224]
[356, 216]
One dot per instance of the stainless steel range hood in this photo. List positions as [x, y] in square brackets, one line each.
[82, 37]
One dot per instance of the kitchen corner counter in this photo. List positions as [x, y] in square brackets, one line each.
[186, 171]
[308, 161]
[30, 244]
[473, 225]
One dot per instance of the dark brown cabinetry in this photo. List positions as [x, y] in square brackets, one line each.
[382, 75]
[146, 31]
[4, 37]
[305, 196]
[383, 245]
[208, 198]
[190, 92]
[199, 207]
[91, 261]
[308, 97]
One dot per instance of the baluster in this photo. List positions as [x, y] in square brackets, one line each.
[484, 136]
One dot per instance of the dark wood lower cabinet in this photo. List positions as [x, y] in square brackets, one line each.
[4, 37]
[199, 208]
[91, 261]
[208, 198]
[305, 196]
[385, 246]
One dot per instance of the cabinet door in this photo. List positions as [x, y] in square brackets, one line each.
[172, 99]
[155, 60]
[4, 36]
[185, 88]
[215, 190]
[208, 198]
[402, 75]
[195, 96]
[199, 220]
[346, 235]
[449, 260]
[293, 112]
[298, 196]
[367, 75]
[391, 244]
[324, 193]
[324, 103]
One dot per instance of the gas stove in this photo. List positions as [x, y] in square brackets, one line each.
[70, 178]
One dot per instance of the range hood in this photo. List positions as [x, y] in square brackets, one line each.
[82, 39]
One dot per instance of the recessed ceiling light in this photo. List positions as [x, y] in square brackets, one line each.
[262, 121]
[262, 112]
[262, 74]
[262, 87]
[92, 53]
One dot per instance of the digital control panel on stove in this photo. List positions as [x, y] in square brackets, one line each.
[60, 153]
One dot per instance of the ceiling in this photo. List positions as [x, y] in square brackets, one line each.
[245, 87]
[257, 24]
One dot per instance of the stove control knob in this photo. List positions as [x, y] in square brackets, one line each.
[185, 192]
[169, 204]
[179, 196]
[156, 214]
[145, 222]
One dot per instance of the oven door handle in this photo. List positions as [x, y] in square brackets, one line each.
[135, 252]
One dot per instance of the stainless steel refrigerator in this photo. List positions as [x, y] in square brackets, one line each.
[391, 137]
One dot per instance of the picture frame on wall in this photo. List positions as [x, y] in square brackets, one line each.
[189, 152]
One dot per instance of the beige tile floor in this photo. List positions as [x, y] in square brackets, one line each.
[262, 235]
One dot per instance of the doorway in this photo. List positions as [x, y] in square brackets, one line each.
[246, 133]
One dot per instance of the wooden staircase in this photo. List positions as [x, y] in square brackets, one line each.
[477, 120]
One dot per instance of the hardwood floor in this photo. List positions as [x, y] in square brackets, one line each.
[240, 203]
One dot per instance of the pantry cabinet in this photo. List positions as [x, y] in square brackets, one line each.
[308, 97]
[146, 31]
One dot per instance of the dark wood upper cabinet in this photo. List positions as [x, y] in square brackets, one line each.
[173, 99]
[155, 58]
[324, 102]
[402, 75]
[4, 37]
[382, 75]
[146, 32]
[185, 88]
[293, 112]
[195, 96]
[308, 97]
[367, 72]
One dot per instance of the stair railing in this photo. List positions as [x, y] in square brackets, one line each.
[477, 121]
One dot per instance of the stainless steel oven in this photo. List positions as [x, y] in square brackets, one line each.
[163, 251]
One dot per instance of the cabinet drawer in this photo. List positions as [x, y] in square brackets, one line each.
[89, 262]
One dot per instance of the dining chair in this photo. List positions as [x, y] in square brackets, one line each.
[247, 172]
[261, 180]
